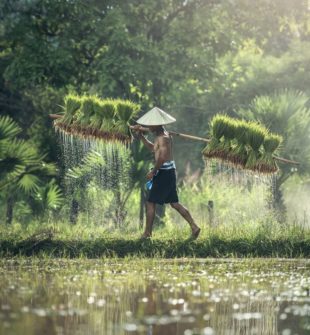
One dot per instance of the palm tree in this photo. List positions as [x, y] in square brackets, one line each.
[286, 112]
[23, 170]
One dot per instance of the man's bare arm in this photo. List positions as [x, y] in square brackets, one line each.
[140, 135]
[147, 143]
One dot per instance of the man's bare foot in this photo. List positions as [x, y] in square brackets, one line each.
[195, 233]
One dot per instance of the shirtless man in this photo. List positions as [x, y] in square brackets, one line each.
[164, 179]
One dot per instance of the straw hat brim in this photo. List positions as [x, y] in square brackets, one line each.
[156, 117]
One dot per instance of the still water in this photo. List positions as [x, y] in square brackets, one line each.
[158, 297]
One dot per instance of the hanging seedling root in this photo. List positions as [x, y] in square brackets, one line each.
[86, 132]
[247, 145]
[91, 117]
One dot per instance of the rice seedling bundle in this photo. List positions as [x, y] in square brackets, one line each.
[72, 104]
[90, 116]
[239, 152]
[271, 144]
[219, 127]
[248, 145]
[255, 134]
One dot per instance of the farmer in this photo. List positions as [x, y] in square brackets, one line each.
[162, 177]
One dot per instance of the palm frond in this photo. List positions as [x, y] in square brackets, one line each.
[54, 197]
[8, 128]
[28, 183]
[48, 196]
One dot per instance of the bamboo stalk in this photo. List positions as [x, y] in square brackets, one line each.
[284, 160]
[55, 116]
[190, 137]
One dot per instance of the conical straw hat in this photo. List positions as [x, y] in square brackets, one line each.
[155, 117]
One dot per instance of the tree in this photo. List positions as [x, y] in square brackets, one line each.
[286, 112]
[22, 171]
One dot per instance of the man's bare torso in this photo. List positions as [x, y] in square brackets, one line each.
[163, 147]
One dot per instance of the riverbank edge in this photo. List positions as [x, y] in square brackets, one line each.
[166, 248]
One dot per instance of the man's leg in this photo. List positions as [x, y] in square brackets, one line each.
[187, 216]
[150, 215]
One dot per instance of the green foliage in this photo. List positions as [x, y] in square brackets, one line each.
[149, 53]
[22, 167]
[285, 112]
[47, 197]
[8, 128]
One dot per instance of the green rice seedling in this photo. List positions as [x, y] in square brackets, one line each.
[241, 132]
[267, 162]
[230, 129]
[211, 147]
[121, 127]
[107, 114]
[218, 125]
[256, 134]
[239, 151]
[217, 130]
[72, 105]
[272, 142]
[109, 107]
[229, 135]
[126, 110]
[103, 119]
[107, 125]
[86, 111]
[95, 121]
[255, 138]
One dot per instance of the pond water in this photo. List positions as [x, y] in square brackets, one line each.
[158, 297]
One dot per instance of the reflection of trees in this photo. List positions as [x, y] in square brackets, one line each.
[161, 298]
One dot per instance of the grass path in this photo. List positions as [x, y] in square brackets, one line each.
[80, 241]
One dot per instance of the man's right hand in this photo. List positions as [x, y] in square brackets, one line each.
[137, 132]
[136, 127]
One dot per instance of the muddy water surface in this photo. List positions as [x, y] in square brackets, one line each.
[158, 297]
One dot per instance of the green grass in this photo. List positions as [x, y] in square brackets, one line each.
[63, 240]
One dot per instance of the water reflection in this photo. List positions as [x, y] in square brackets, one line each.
[157, 297]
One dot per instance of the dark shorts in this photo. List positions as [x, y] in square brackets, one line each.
[164, 189]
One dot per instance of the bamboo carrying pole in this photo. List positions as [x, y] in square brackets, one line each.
[196, 138]
[190, 137]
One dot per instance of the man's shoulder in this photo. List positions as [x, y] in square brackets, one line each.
[163, 138]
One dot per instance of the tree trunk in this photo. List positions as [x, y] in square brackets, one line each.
[9, 210]
[159, 215]
[119, 215]
[278, 204]
[142, 207]
[211, 212]
[74, 211]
